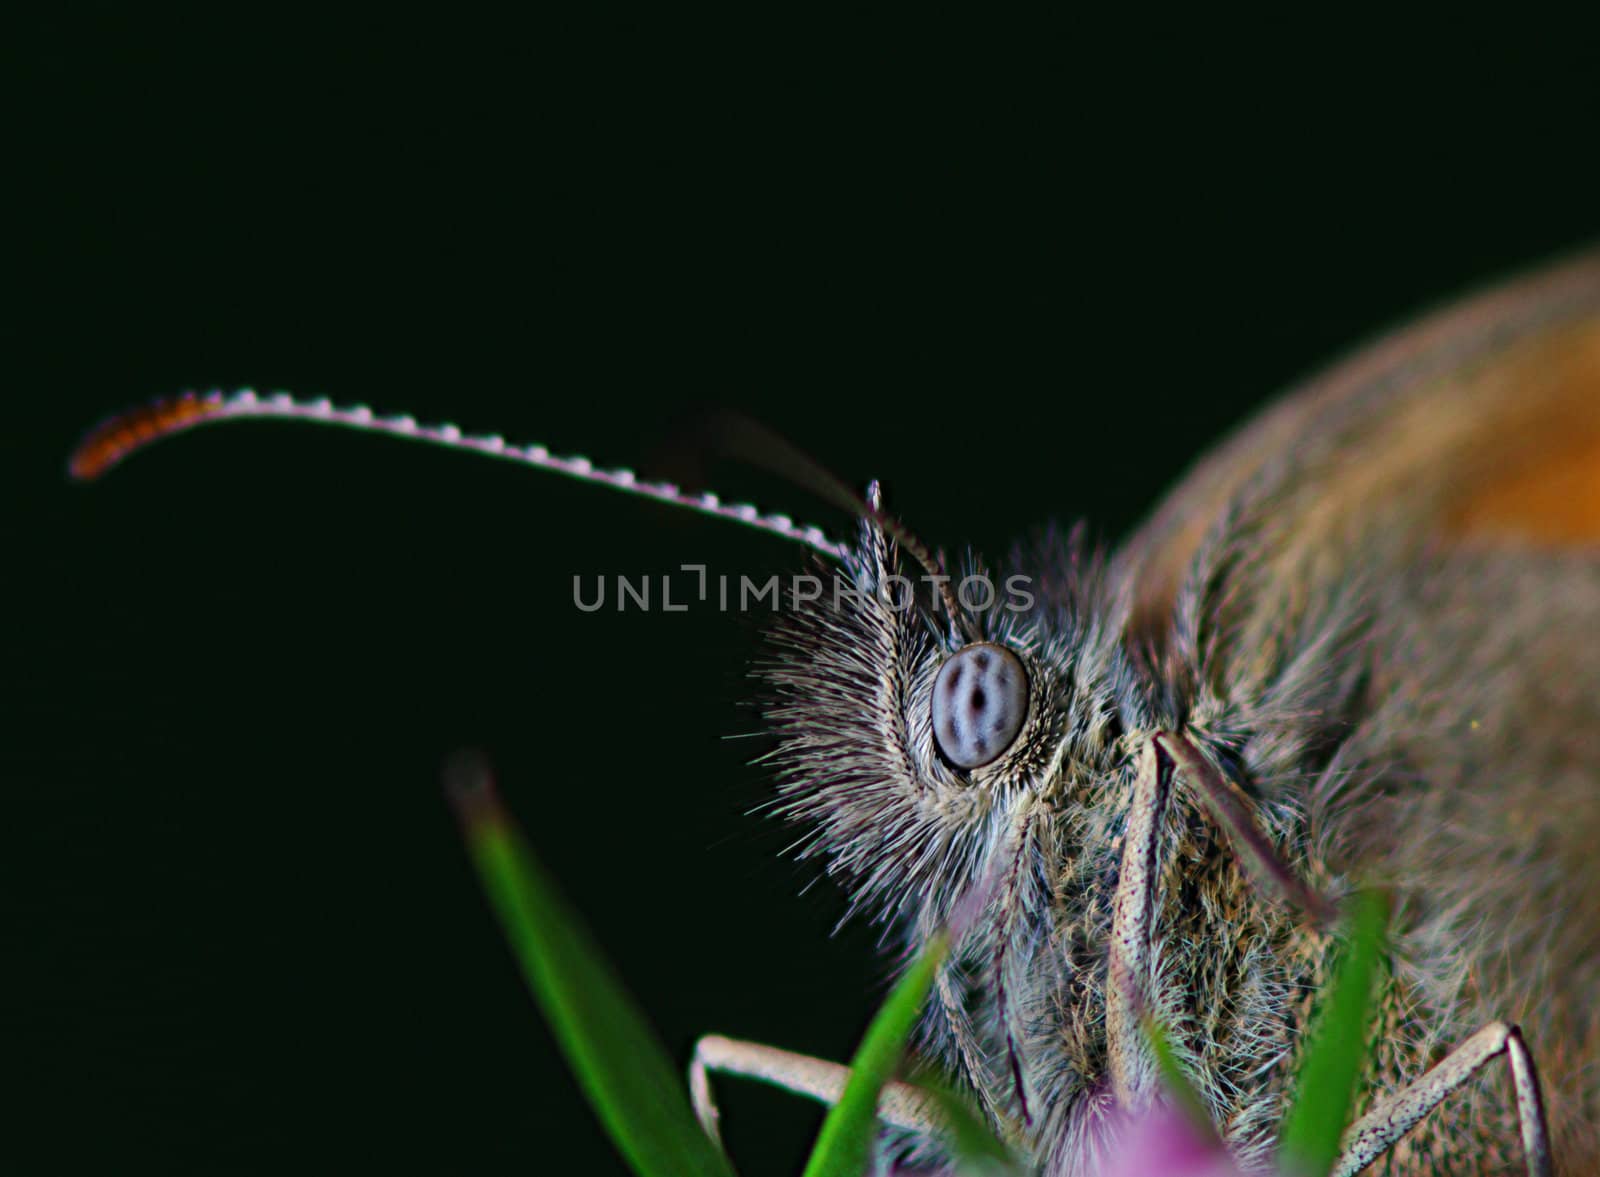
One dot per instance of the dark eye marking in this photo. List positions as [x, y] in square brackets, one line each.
[980, 702]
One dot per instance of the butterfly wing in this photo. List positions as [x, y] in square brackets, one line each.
[1438, 496]
[1481, 424]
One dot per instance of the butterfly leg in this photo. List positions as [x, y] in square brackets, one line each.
[1133, 913]
[1229, 810]
[1395, 1114]
[900, 1105]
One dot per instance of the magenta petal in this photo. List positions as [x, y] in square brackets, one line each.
[1163, 1143]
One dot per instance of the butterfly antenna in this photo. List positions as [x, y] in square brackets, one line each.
[754, 442]
[125, 434]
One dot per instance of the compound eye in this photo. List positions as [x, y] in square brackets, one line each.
[980, 699]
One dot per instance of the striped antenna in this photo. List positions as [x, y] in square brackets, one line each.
[113, 440]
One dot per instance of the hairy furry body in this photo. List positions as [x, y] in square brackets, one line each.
[1405, 696]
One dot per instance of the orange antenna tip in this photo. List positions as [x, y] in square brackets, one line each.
[113, 440]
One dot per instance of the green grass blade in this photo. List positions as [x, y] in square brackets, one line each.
[1309, 1145]
[844, 1144]
[1176, 1080]
[972, 1142]
[635, 1090]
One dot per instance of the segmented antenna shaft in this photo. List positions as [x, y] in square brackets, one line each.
[122, 435]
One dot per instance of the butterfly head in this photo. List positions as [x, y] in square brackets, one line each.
[910, 741]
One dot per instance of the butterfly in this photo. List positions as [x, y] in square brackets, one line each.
[1357, 646]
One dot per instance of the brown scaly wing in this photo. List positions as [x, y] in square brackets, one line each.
[1480, 422]
[1454, 467]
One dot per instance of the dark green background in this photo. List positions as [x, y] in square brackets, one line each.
[1017, 276]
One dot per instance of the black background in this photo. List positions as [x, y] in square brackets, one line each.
[1016, 275]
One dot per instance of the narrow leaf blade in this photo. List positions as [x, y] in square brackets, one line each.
[1179, 1087]
[843, 1146]
[973, 1142]
[1325, 1091]
[622, 1068]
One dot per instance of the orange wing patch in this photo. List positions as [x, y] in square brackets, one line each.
[1538, 478]
[1550, 498]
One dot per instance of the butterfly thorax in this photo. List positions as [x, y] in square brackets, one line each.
[1020, 1011]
